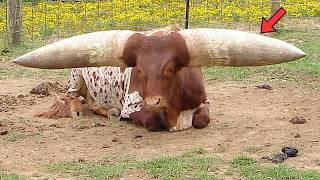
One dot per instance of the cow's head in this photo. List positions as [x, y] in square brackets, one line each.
[159, 55]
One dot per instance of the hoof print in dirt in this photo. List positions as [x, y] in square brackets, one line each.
[290, 151]
[47, 88]
[264, 86]
[298, 120]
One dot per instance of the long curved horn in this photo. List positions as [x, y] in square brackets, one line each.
[220, 47]
[102, 48]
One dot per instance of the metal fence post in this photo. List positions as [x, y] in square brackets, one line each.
[275, 6]
[14, 24]
[186, 23]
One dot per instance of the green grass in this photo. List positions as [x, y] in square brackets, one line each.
[9, 71]
[252, 169]
[194, 164]
[9, 176]
[252, 149]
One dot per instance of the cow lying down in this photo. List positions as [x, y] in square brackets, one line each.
[162, 85]
[105, 90]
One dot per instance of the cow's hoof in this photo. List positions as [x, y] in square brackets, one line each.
[201, 118]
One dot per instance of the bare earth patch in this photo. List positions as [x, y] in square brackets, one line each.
[243, 117]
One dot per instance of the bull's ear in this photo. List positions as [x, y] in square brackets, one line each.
[221, 47]
[131, 49]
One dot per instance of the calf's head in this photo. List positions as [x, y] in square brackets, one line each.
[158, 55]
[65, 106]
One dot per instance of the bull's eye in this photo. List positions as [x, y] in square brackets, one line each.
[171, 70]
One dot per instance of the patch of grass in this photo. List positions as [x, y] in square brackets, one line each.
[193, 164]
[14, 136]
[9, 176]
[252, 149]
[9, 72]
[304, 71]
[12, 51]
[251, 169]
[190, 165]
[18, 136]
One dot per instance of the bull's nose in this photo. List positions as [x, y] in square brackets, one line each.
[154, 104]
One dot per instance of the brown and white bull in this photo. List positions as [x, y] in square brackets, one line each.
[165, 65]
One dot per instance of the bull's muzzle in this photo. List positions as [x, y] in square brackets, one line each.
[154, 104]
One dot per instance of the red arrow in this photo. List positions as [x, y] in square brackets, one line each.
[267, 26]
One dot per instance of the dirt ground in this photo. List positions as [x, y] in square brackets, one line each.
[243, 116]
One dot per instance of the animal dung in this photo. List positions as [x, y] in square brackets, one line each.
[290, 151]
[298, 120]
[287, 151]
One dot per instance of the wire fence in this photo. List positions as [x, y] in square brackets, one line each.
[45, 19]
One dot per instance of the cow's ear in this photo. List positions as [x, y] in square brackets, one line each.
[130, 50]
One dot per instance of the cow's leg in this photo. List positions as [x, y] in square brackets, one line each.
[151, 121]
[100, 111]
[201, 118]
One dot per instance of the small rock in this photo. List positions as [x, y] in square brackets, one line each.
[115, 139]
[101, 124]
[106, 146]
[81, 160]
[20, 96]
[297, 135]
[3, 132]
[264, 86]
[298, 120]
[138, 136]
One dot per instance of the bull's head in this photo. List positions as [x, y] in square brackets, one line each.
[158, 56]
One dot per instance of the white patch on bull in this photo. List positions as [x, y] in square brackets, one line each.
[185, 118]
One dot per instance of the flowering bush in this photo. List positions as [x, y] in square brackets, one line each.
[46, 18]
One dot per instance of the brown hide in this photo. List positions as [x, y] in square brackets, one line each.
[65, 106]
[162, 76]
